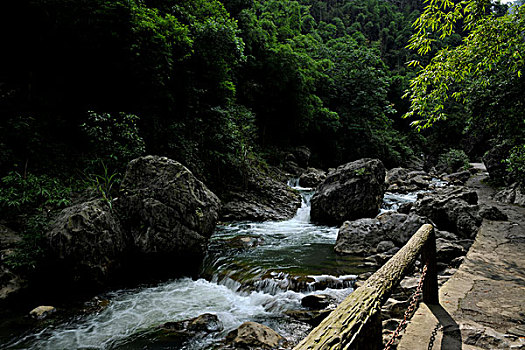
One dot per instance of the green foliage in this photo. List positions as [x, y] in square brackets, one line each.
[213, 84]
[104, 184]
[454, 160]
[516, 164]
[31, 197]
[494, 44]
[29, 252]
[22, 193]
[361, 172]
[114, 137]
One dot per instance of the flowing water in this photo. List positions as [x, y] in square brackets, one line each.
[253, 272]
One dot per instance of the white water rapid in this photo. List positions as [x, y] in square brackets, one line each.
[281, 263]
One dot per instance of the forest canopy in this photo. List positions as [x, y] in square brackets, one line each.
[222, 85]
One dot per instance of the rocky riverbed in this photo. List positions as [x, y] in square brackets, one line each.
[263, 271]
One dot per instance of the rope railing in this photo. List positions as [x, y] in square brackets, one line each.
[356, 322]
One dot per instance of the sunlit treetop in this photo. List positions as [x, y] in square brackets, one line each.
[494, 43]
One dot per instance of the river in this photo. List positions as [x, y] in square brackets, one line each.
[254, 271]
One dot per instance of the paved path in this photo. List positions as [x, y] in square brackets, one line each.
[483, 305]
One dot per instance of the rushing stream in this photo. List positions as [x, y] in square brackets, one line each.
[253, 272]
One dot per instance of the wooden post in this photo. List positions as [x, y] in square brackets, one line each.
[371, 337]
[428, 257]
[355, 322]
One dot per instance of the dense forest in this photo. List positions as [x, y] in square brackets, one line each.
[86, 86]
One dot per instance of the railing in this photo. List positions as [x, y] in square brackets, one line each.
[356, 322]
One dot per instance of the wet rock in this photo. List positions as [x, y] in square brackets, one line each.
[409, 284]
[317, 301]
[484, 337]
[95, 305]
[302, 156]
[362, 237]
[465, 243]
[458, 178]
[513, 195]
[244, 242]
[8, 238]
[312, 317]
[403, 180]
[393, 251]
[384, 246]
[86, 242]
[493, 161]
[168, 213]
[379, 259]
[264, 199]
[312, 177]
[292, 168]
[359, 237]
[446, 235]
[399, 228]
[451, 209]
[275, 282]
[395, 175]
[176, 334]
[447, 251]
[252, 335]
[518, 330]
[456, 262]
[404, 208]
[390, 325]
[42, 312]
[492, 213]
[394, 308]
[11, 284]
[448, 272]
[205, 323]
[340, 282]
[352, 191]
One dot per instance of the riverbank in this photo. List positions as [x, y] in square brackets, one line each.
[482, 305]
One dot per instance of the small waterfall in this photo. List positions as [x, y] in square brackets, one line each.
[293, 183]
[283, 262]
[303, 213]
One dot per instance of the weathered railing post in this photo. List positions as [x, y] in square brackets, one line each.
[428, 258]
[356, 322]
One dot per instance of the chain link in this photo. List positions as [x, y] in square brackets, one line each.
[433, 336]
[411, 308]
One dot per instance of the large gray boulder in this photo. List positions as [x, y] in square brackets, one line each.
[86, 242]
[493, 161]
[404, 180]
[168, 213]
[352, 191]
[11, 283]
[302, 156]
[452, 209]
[368, 236]
[312, 177]
[253, 335]
[161, 222]
[264, 198]
[513, 194]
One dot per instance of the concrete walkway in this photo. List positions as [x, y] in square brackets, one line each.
[483, 305]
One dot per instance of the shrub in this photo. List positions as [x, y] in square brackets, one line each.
[516, 164]
[29, 200]
[454, 160]
[30, 251]
[115, 138]
[23, 193]
[103, 184]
